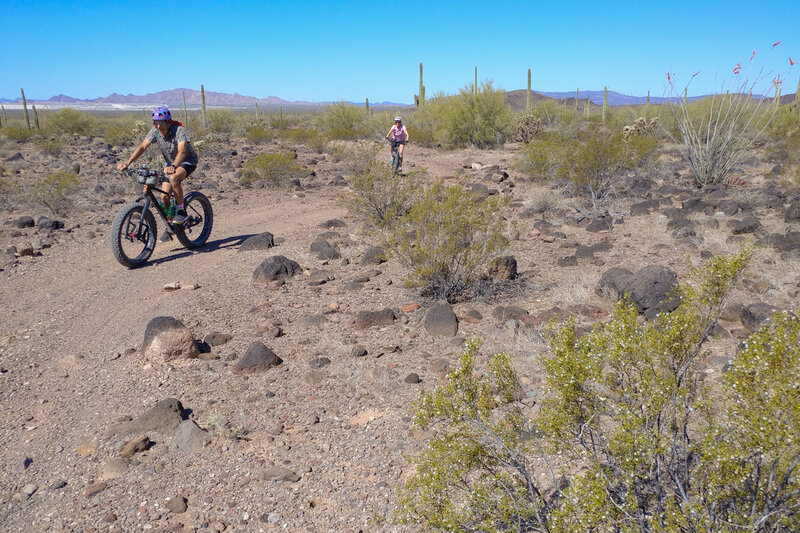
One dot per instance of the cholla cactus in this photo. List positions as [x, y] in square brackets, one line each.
[640, 126]
[525, 128]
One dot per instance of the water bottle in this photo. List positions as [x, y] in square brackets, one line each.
[172, 209]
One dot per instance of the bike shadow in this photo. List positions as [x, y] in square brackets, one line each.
[210, 246]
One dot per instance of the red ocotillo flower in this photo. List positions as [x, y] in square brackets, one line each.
[752, 56]
[791, 63]
[669, 78]
[737, 69]
[695, 74]
[776, 44]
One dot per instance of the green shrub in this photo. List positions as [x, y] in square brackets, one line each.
[71, 122]
[123, 131]
[376, 195]
[541, 160]
[553, 115]
[447, 238]
[274, 169]
[257, 134]
[50, 145]
[53, 190]
[311, 137]
[643, 444]
[784, 135]
[343, 121]
[17, 132]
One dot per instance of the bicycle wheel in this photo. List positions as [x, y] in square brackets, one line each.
[133, 235]
[395, 159]
[194, 232]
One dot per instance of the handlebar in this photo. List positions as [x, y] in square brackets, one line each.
[144, 175]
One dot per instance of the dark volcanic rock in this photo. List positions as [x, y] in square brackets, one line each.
[273, 268]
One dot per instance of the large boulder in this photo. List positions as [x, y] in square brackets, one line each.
[649, 287]
[164, 417]
[167, 339]
[257, 358]
[441, 321]
[503, 268]
[262, 241]
[274, 268]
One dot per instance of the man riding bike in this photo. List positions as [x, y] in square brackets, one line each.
[180, 157]
[398, 136]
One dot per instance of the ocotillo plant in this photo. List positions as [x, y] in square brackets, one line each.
[605, 104]
[203, 105]
[475, 87]
[528, 100]
[35, 116]
[25, 108]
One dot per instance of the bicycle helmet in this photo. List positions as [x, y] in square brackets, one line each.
[161, 113]
[398, 119]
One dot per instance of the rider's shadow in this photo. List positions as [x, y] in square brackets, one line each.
[210, 246]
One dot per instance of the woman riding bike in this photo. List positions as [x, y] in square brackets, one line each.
[398, 136]
[180, 157]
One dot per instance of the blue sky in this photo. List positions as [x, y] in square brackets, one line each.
[348, 50]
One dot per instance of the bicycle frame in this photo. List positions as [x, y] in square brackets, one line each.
[150, 198]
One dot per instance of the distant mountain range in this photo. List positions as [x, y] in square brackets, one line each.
[175, 98]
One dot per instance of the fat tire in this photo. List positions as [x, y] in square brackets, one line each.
[117, 231]
[202, 206]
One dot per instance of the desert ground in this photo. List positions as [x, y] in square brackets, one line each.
[319, 442]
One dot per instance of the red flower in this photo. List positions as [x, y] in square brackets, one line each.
[669, 78]
[737, 69]
[752, 56]
[695, 74]
[776, 44]
[790, 61]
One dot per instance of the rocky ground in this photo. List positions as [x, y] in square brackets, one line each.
[294, 415]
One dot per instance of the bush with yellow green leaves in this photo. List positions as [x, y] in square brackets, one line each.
[273, 169]
[447, 238]
[53, 190]
[642, 440]
[376, 195]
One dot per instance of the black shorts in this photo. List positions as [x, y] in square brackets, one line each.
[396, 143]
[186, 166]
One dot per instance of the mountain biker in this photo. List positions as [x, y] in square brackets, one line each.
[398, 136]
[180, 157]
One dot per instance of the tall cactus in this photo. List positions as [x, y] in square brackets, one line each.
[605, 104]
[25, 108]
[5, 118]
[777, 100]
[577, 95]
[419, 98]
[366, 104]
[796, 100]
[528, 99]
[256, 103]
[203, 105]
[185, 111]
[475, 87]
[588, 106]
[35, 116]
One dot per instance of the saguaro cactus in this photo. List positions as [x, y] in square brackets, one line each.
[203, 105]
[605, 104]
[528, 100]
[419, 98]
[475, 87]
[25, 108]
[185, 112]
[5, 118]
[366, 104]
[588, 106]
[35, 116]
[577, 95]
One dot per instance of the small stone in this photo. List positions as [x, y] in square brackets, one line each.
[174, 286]
[177, 505]
[28, 490]
[358, 351]
[110, 518]
[95, 488]
[410, 308]
[319, 362]
[413, 377]
[135, 446]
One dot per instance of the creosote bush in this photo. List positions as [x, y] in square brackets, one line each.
[343, 121]
[643, 441]
[71, 122]
[447, 238]
[273, 169]
[376, 195]
[53, 190]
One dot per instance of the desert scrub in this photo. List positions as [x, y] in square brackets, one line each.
[474, 473]
[627, 418]
[784, 143]
[272, 169]
[123, 131]
[257, 134]
[525, 127]
[376, 195]
[17, 132]
[71, 122]
[53, 190]
[541, 160]
[447, 238]
[311, 137]
[343, 121]
[8, 191]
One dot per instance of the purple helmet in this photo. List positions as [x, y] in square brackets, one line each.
[161, 113]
